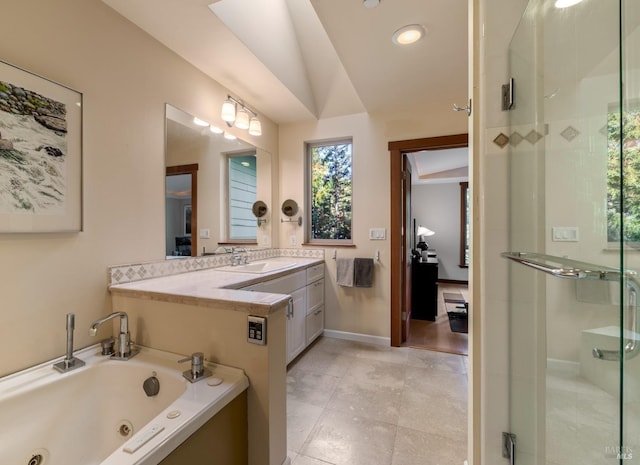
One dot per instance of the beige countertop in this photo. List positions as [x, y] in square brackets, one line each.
[215, 288]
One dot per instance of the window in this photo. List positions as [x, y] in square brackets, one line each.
[242, 195]
[623, 192]
[329, 191]
[464, 224]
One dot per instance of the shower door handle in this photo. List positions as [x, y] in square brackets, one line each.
[631, 347]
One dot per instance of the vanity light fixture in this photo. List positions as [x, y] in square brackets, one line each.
[242, 119]
[255, 127]
[566, 3]
[235, 112]
[408, 34]
[228, 113]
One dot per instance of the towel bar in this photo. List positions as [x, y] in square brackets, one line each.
[376, 257]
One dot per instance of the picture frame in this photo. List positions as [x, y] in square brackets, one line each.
[187, 220]
[40, 154]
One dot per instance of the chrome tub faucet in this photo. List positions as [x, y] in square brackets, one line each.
[124, 350]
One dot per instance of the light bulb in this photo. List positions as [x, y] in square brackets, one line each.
[408, 34]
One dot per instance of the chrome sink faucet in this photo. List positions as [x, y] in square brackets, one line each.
[238, 259]
[124, 350]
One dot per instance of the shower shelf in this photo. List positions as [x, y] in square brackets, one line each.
[567, 268]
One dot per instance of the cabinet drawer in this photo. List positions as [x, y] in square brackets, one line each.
[315, 324]
[315, 272]
[286, 284]
[315, 295]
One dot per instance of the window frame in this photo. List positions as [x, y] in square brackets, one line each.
[308, 192]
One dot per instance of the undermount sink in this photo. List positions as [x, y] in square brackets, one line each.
[264, 266]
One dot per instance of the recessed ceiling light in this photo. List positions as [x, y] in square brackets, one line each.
[566, 3]
[408, 34]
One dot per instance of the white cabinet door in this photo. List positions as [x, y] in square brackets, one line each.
[296, 324]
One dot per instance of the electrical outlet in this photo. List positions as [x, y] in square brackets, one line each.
[293, 240]
[205, 233]
[265, 240]
[257, 330]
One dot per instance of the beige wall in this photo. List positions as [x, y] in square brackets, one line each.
[359, 310]
[125, 77]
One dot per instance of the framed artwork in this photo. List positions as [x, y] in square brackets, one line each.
[187, 220]
[40, 154]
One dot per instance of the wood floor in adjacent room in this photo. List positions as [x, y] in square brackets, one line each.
[437, 335]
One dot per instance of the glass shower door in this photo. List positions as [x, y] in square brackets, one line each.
[574, 158]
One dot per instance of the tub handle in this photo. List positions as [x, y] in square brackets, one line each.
[197, 371]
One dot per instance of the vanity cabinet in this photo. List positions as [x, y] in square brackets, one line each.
[305, 313]
[315, 303]
[293, 284]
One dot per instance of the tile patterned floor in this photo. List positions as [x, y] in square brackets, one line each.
[350, 403]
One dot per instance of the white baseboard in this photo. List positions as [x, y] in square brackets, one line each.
[358, 337]
[564, 366]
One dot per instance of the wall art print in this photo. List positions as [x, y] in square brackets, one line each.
[40, 154]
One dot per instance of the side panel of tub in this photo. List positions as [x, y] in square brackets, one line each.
[222, 440]
[221, 333]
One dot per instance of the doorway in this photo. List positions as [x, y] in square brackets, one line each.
[400, 234]
[182, 240]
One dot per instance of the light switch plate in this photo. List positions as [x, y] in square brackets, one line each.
[205, 233]
[565, 234]
[377, 234]
[257, 330]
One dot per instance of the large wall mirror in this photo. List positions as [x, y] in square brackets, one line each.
[212, 183]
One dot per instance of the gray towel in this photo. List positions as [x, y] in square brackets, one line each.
[344, 271]
[363, 272]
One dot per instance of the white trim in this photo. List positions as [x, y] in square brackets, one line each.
[358, 337]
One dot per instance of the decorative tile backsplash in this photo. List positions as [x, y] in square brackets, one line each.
[120, 274]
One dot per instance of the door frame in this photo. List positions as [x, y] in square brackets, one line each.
[398, 260]
[191, 169]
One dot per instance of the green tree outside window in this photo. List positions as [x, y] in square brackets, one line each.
[623, 176]
[331, 189]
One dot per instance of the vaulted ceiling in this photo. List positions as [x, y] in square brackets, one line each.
[296, 60]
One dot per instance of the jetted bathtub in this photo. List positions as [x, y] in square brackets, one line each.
[101, 414]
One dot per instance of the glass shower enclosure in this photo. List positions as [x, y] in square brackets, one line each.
[574, 252]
